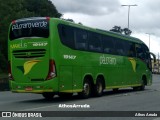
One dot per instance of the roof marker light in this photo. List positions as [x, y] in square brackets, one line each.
[48, 18]
[14, 21]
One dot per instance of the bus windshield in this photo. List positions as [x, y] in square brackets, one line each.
[29, 28]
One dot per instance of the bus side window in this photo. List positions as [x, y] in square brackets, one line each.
[81, 39]
[140, 52]
[94, 42]
[119, 47]
[129, 49]
[108, 44]
[66, 34]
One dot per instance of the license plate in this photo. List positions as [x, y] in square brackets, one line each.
[29, 88]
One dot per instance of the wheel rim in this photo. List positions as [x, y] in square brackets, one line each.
[99, 87]
[86, 89]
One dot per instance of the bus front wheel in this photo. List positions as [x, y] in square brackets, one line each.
[48, 95]
[142, 87]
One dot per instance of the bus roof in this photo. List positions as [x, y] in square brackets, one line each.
[63, 21]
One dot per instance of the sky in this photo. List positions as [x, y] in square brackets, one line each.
[105, 14]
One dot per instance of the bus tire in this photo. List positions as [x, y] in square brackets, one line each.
[98, 89]
[142, 87]
[48, 95]
[86, 92]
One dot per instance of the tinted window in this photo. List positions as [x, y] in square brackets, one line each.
[66, 34]
[94, 42]
[108, 44]
[119, 47]
[129, 49]
[80, 39]
[29, 28]
[140, 52]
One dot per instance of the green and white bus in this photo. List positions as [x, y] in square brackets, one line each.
[56, 57]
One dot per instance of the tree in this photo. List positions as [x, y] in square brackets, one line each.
[7, 14]
[14, 9]
[41, 8]
[127, 31]
[118, 29]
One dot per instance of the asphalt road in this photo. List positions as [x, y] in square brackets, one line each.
[123, 100]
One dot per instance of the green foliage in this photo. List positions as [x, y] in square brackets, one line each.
[15, 9]
[41, 8]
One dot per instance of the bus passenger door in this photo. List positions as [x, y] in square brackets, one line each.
[65, 81]
[143, 62]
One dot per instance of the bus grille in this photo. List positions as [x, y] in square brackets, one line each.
[29, 53]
